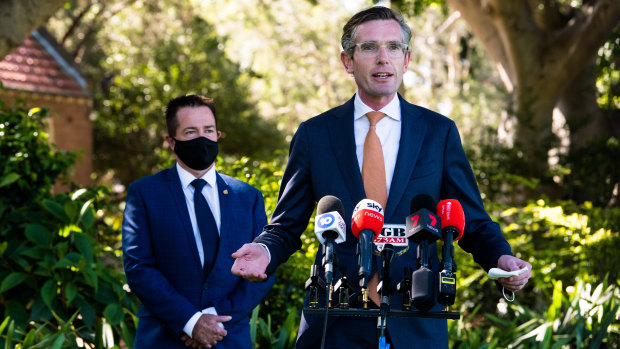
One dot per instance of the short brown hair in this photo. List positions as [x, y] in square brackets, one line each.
[172, 122]
[376, 12]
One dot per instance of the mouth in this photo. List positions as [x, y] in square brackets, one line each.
[382, 75]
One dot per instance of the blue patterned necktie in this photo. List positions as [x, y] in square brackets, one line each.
[206, 225]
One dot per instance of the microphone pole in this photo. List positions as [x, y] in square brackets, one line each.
[387, 254]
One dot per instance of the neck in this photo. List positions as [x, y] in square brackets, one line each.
[376, 102]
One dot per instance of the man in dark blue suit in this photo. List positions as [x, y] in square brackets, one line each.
[421, 153]
[180, 228]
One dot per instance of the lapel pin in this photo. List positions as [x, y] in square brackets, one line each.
[225, 192]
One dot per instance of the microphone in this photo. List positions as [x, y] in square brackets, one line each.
[422, 228]
[452, 225]
[329, 228]
[366, 224]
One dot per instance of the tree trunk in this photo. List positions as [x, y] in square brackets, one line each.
[541, 50]
[19, 18]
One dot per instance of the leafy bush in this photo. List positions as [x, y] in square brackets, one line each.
[594, 171]
[263, 336]
[583, 316]
[29, 164]
[567, 244]
[61, 282]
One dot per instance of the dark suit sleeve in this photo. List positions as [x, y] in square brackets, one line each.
[240, 303]
[295, 204]
[143, 277]
[482, 237]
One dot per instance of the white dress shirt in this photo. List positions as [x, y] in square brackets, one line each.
[388, 130]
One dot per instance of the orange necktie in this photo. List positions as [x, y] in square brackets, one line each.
[373, 168]
[373, 175]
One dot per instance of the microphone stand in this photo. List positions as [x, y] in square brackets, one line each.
[387, 254]
[328, 263]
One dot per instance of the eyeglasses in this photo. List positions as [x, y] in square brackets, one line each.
[394, 49]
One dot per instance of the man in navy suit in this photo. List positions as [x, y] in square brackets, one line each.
[422, 154]
[180, 228]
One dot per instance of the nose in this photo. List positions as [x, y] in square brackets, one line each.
[383, 54]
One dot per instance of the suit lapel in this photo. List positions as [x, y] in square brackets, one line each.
[174, 185]
[411, 137]
[342, 138]
[226, 212]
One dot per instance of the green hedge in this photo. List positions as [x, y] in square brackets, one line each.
[62, 284]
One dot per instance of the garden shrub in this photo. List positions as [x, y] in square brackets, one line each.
[61, 283]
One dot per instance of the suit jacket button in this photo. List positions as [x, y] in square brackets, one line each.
[206, 285]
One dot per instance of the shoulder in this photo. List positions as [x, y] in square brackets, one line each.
[238, 186]
[327, 117]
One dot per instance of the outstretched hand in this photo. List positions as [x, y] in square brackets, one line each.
[251, 262]
[510, 263]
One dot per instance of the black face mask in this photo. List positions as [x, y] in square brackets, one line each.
[198, 153]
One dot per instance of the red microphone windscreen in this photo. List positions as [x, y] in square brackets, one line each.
[367, 215]
[451, 213]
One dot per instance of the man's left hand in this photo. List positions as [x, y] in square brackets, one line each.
[510, 263]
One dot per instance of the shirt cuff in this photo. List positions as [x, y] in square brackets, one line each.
[189, 326]
[266, 249]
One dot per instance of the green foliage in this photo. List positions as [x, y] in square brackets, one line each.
[59, 273]
[158, 52]
[417, 7]
[263, 336]
[565, 241]
[486, 157]
[583, 316]
[61, 281]
[588, 174]
[29, 164]
[593, 172]
[567, 244]
[608, 72]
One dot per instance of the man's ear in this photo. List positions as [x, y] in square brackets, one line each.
[170, 141]
[347, 61]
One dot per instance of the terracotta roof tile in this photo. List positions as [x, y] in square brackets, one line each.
[33, 68]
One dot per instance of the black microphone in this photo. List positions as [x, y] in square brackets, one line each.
[423, 227]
